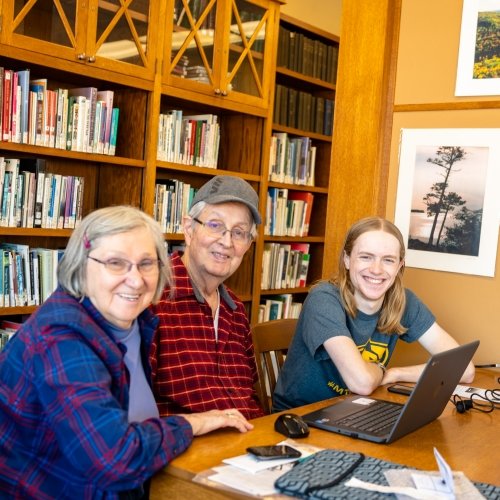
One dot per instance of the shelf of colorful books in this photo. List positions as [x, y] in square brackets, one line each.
[289, 265]
[295, 214]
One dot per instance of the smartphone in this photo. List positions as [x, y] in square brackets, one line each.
[273, 452]
[400, 389]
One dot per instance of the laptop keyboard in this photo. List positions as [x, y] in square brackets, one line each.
[376, 418]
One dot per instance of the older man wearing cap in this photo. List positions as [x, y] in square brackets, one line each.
[203, 356]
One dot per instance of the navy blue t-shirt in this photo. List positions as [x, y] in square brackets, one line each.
[309, 375]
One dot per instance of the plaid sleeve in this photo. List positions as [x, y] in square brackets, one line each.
[76, 391]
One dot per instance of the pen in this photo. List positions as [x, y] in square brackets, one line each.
[490, 365]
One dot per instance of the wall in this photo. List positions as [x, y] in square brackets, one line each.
[467, 306]
[324, 14]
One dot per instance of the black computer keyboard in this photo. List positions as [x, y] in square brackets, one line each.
[375, 418]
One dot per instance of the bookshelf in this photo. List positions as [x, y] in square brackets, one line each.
[304, 81]
[57, 56]
[235, 45]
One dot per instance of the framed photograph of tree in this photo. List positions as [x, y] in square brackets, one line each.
[478, 69]
[447, 202]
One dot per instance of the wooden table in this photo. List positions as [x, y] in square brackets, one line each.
[469, 442]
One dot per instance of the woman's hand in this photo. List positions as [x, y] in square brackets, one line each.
[216, 419]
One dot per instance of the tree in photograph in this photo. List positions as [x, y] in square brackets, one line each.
[438, 200]
[464, 237]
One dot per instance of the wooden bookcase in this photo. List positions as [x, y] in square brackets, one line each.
[299, 70]
[236, 43]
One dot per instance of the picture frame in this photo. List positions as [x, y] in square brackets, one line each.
[478, 68]
[447, 202]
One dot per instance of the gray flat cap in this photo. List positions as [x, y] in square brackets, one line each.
[226, 188]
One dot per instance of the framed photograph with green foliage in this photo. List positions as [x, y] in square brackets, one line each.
[478, 69]
[447, 200]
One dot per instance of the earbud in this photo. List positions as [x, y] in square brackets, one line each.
[463, 405]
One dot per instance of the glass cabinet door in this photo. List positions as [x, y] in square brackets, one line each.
[122, 34]
[37, 25]
[112, 34]
[247, 39]
[193, 38]
[220, 47]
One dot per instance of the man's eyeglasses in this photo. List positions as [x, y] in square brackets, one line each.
[218, 228]
[115, 265]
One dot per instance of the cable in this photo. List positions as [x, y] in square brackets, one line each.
[463, 405]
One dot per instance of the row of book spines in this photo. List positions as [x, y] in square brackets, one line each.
[81, 119]
[172, 202]
[190, 140]
[306, 55]
[29, 276]
[292, 160]
[285, 265]
[288, 213]
[40, 200]
[279, 307]
[302, 110]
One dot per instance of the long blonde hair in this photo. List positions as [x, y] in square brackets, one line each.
[394, 302]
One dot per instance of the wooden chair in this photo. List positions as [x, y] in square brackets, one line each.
[271, 340]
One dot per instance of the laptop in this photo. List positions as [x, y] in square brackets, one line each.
[382, 421]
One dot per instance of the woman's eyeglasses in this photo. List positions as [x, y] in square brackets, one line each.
[115, 265]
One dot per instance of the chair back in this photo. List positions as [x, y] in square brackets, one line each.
[271, 341]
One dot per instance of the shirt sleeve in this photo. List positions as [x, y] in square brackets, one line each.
[323, 317]
[417, 318]
[78, 394]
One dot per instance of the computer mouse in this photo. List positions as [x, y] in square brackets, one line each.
[291, 425]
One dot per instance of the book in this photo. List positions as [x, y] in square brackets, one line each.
[47, 193]
[29, 208]
[10, 192]
[79, 116]
[107, 96]
[21, 272]
[17, 216]
[90, 93]
[5, 206]
[61, 118]
[114, 131]
[2, 178]
[2, 71]
[37, 167]
[7, 105]
[62, 202]
[23, 77]
[51, 117]
[39, 86]
[35, 277]
[15, 135]
[303, 263]
[308, 199]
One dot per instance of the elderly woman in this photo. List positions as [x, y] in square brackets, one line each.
[77, 414]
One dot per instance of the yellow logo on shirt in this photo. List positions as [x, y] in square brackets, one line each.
[374, 352]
